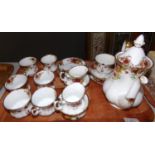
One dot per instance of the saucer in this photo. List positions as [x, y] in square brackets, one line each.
[72, 111]
[27, 61]
[16, 81]
[97, 76]
[43, 77]
[96, 80]
[49, 59]
[30, 71]
[100, 75]
[85, 81]
[49, 62]
[68, 63]
[17, 99]
[23, 113]
[51, 68]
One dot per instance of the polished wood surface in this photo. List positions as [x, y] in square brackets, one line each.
[99, 109]
[5, 71]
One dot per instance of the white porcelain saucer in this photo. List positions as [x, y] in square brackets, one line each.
[96, 80]
[16, 81]
[73, 111]
[49, 62]
[100, 75]
[51, 68]
[48, 59]
[97, 76]
[68, 63]
[27, 61]
[30, 71]
[43, 77]
[85, 81]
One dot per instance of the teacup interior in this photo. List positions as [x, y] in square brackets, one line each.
[44, 78]
[78, 71]
[18, 81]
[48, 59]
[105, 59]
[44, 97]
[71, 62]
[16, 99]
[28, 61]
[73, 92]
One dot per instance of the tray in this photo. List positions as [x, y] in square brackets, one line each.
[99, 108]
[5, 71]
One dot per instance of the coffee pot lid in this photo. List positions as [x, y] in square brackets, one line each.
[136, 52]
[139, 41]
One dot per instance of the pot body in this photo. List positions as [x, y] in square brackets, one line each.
[123, 89]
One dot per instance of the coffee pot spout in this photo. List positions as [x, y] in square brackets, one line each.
[134, 89]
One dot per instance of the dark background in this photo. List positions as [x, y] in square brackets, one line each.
[15, 45]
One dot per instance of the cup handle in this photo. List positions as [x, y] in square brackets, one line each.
[62, 76]
[35, 111]
[58, 105]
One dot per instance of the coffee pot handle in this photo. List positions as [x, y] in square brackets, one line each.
[144, 80]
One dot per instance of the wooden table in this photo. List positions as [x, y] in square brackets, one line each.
[5, 71]
[99, 109]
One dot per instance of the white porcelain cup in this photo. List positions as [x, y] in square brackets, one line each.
[49, 61]
[16, 81]
[71, 96]
[44, 78]
[43, 100]
[105, 62]
[17, 102]
[76, 74]
[29, 63]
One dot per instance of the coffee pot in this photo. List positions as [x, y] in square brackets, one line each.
[124, 88]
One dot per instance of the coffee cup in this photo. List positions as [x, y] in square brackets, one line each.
[44, 78]
[17, 102]
[75, 74]
[43, 100]
[105, 63]
[71, 96]
[29, 65]
[49, 61]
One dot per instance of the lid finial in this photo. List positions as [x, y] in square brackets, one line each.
[139, 42]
